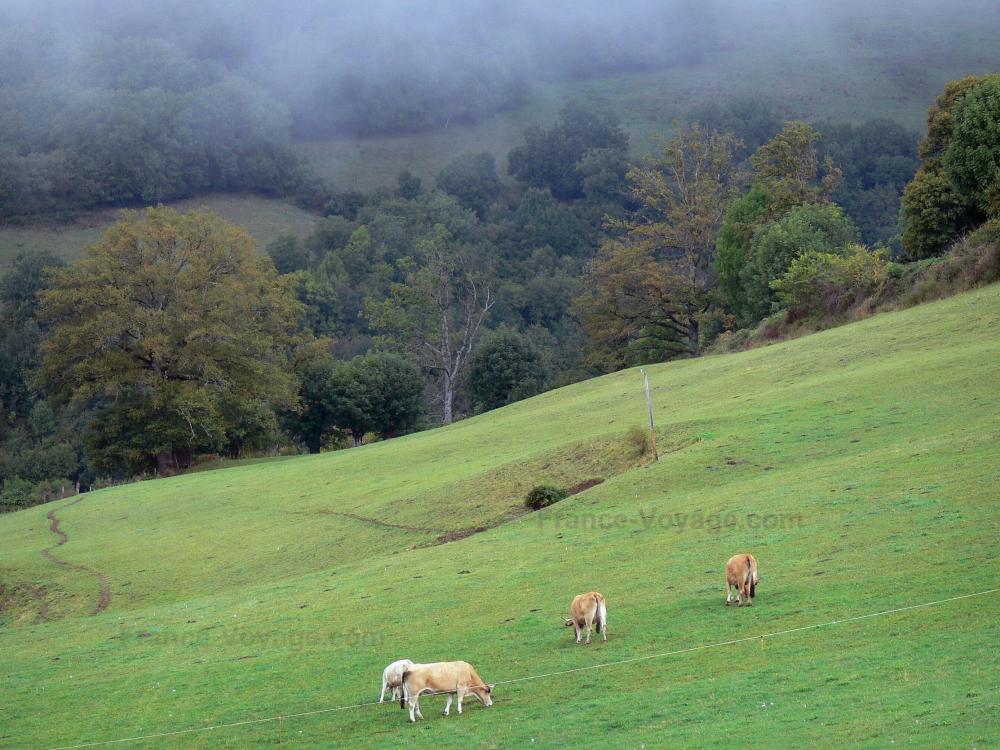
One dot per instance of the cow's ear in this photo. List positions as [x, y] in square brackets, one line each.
[490, 687]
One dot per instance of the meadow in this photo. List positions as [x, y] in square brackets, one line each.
[860, 466]
[265, 219]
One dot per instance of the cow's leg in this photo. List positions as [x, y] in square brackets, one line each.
[447, 706]
[729, 593]
[578, 630]
[590, 626]
[460, 694]
[395, 694]
[385, 684]
[413, 704]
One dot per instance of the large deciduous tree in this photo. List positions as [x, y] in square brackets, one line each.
[436, 313]
[650, 290]
[175, 335]
[936, 210]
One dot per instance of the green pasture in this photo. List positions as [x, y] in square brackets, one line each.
[860, 465]
[264, 218]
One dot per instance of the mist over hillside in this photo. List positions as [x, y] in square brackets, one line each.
[387, 67]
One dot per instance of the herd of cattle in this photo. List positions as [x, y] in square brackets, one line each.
[459, 679]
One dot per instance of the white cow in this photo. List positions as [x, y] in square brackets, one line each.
[392, 677]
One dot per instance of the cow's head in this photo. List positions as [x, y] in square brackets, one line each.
[484, 693]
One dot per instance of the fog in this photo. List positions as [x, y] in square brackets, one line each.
[390, 66]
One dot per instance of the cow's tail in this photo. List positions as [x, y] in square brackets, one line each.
[404, 693]
[751, 576]
[602, 615]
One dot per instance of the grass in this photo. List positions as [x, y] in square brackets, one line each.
[888, 66]
[264, 218]
[868, 453]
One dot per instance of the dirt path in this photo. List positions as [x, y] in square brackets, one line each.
[104, 597]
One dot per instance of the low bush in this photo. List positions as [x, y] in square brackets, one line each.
[544, 495]
[639, 439]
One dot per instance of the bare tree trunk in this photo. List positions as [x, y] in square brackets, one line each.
[449, 398]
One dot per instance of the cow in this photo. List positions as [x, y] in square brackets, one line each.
[588, 610]
[456, 678]
[741, 573]
[392, 677]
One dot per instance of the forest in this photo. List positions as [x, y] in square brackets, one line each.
[176, 341]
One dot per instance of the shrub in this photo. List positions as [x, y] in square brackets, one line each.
[819, 283]
[544, 495]
[639, 439]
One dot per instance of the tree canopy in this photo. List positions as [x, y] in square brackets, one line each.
[178, 334]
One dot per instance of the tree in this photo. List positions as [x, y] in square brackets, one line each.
[552, 158]
[787, 173]
[650, 291]
[972, 160]
[733, 255]
[288, 254]
[505, 367]
[174, 332]
[472, 179]
[436, 313]
[788, 166]
[379, 392]
[936, 211]
[408, 185]
[751, 120]
[807, 228]
[20, 286]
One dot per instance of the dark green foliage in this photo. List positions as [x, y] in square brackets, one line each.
[378, 392]
[733, 253]
[289, 254]
[472, 179]
[877, 159]
[541, 221]
[816, 228]
[505, 367]
[972, 160]
[752, 121]
[19, 287]
[131, 121]
[936, 210]
[346, 204]
[553, 158]
[408, 185]
[543, 496]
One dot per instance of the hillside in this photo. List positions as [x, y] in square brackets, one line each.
[264, 218]
[868, 454]
[888, 67]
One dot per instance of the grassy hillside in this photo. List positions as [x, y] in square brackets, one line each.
[886, 66]
[869, 454]
[265, 219]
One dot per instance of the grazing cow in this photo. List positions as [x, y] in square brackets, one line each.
[741, 573]
[456, 678]
[392, 677]
[588, 610]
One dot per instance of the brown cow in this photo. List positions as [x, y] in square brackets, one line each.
[741, 573]
[588, 610]
[456, 678]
